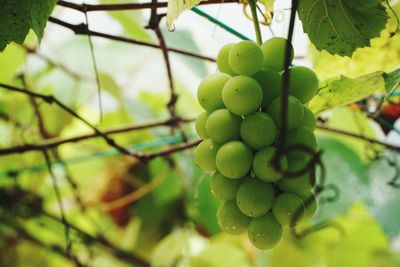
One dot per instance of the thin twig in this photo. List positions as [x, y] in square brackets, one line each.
[128, 6]
[362, 137]
[52, 100]
[171, 150]
[95, 69]
[123, 255]
[154, 23]
[68, 177]
[46, 135]
[58, 142]
[60, 203]
[119, 253]
[22, 233]
[81, 29]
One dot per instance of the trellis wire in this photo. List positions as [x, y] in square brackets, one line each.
[219, 23]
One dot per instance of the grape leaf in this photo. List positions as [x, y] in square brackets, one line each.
[176, 7]
[384, 53]
[10, 61]
[18, 16]
[392, 80]
[342, 91]
[342, 26]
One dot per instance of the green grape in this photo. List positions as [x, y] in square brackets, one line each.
[234, 159]
[309, 120]
[200, 124]
[223, 126]
[224, 188]
[230, 219]
[301, 184]
[254, 197]
[223, 60]
[285, 207]
[270, 82]
[311, 208]
[274, 53]
[265, 232]
[295, 112]
[303, 83]
[242, 95]
[263, 165]
[258, 130]
[300, 136]
[205, 154]
[246, 58]
[209, 93]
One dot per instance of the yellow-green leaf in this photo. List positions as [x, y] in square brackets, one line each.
[344, 90]
[383, 55]
[176, 7]
[269, 4]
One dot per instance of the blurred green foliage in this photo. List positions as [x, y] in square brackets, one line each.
[168, 214]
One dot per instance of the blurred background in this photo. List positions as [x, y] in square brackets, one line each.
[88, 205]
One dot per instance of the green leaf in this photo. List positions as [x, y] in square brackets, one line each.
[342, 91]
[342, 26]
[18, 16]
[392, 80]
[176, 7]
[269, 4]
[11, 60]
[384, 53]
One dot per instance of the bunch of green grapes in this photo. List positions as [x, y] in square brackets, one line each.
[239, 128]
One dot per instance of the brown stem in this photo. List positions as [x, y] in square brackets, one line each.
[100, 240]
[81, 29]
[362, 137]
[52, 100]
[58, 142]
[173, 96]
[128, 6]
[171, 150]
[22, 233]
